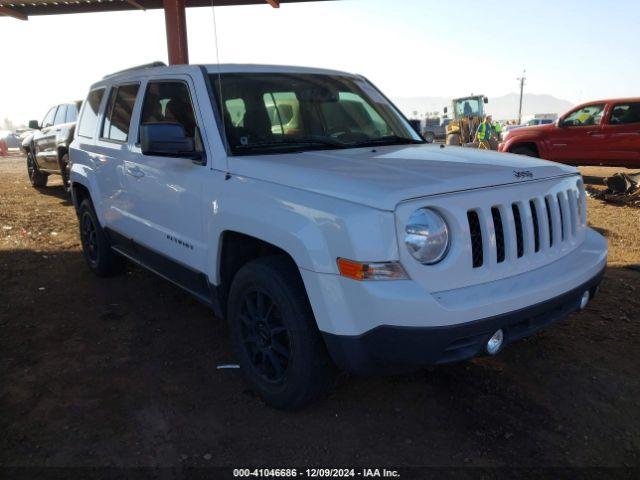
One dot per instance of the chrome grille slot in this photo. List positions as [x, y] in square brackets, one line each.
[536, 227]
[499, 231]
[562, 217]
[547, 203]
[475, 232]
[517, 218]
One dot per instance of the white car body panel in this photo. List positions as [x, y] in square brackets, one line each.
[353, 203]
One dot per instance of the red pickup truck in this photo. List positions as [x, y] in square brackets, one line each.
[606, 132]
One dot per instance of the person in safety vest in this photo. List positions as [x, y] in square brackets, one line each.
[497, 128]
[483, 135]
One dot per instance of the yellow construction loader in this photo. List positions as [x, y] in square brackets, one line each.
[467, 114]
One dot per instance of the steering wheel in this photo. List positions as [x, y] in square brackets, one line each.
[345, 135]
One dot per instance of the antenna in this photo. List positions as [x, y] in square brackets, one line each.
[215, 39]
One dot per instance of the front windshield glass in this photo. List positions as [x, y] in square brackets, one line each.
[467, 106]
[284, 112]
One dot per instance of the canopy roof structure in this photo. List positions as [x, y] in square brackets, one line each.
[174, 11]
[24, 8]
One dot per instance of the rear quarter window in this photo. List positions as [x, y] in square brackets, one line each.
[89, 117]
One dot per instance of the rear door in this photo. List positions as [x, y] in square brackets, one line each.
[580, 139]
[44, 140]
[622, 134]
[113, 149]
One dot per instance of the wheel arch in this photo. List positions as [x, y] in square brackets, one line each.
[534, 143]
[83, 182]
[235, 250]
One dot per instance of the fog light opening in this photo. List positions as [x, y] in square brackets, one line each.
[584, 300]
[495, 342]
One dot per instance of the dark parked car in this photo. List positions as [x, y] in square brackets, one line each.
[434, 129]
[47, 148]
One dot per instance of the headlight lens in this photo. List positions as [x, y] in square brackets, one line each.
[427, 236]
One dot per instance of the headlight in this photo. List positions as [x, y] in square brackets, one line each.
[427, 236]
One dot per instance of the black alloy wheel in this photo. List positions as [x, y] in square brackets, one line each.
[264, 336]
[89, 237]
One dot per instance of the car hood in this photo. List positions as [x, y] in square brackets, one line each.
[382, 177]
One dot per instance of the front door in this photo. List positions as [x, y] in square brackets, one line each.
[165, 193]
[622, 134]
[579, 137]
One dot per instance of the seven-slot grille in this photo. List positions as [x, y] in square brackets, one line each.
[538, 224]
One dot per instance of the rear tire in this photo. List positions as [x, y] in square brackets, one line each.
[65, 171]
[96, 249]
[429, 137]
[280, 349]
[528, 151]
[36, 177]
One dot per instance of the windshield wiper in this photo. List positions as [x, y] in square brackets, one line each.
[292, 142]
[388, 140]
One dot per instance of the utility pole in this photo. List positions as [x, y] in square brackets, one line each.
[522, 79]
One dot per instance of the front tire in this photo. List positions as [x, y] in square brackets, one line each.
[274, 333]
[36, 177]
[95, 245]
[429, 137]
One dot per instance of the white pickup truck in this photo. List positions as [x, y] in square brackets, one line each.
[300, 205]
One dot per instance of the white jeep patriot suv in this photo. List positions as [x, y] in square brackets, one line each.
[300, 205]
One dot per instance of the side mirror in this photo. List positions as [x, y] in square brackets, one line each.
[485, 99]
[167, 140]
[559, 123]
[34, 125]
[445, 110]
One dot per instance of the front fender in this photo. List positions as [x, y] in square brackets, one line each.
[313, 229]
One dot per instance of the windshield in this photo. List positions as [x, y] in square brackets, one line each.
[284, 112]
[468, 106]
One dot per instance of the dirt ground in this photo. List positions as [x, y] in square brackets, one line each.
[122, 372]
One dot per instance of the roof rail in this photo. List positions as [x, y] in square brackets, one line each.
[137, 67]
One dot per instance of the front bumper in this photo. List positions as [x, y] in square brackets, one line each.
[387, 349]
[396, 325]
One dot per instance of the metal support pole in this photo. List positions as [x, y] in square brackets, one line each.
[176, 23]
[522, 80]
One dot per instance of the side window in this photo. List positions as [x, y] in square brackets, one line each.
[72, 113]
[118, 114]
[625, 113]
[589, 115]
[89, 118]
[283, 109]
[60, 115]
[48, 118]
[169, 102]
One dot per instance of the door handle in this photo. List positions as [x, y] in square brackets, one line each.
[135, 172]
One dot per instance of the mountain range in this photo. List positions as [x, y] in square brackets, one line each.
[502, 108]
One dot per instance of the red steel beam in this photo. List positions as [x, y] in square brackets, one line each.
[7, 12]
[176, 23]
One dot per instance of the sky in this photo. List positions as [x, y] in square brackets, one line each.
[571, 49]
